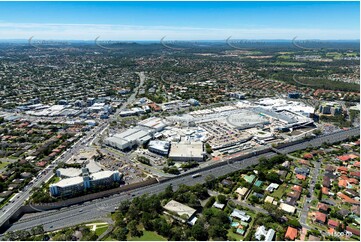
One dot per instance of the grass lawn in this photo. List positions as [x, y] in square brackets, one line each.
[234, 235]
[3, 164]
[280, 191]
[101, 229]
[148, 236]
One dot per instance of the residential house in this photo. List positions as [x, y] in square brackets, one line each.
[355, 210]
[326, 182]
[323, 207]
[271, 187]
[291, 233]
[240, 215]
[320, 217]
[343, 212]
[262, 233]
[302, 171]
[219, 205]
[333, 223]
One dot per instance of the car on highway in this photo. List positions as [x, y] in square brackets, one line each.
[196, 175]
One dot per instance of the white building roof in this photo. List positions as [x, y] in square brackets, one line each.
[240, 215]
[218, 205]
[93, 166]
[69, 172]
[179, 208]
[272, 186]
[189, 150]
[242, 191]
[69, 182]
[159, 145]
[269, 199]
[287, 208]
[268, 235]
[153, 123]
[102, 174]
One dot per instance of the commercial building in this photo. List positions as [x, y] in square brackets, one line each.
[129, 138]
[68, 172]
[154, 123]
[138, 135]
[187, 151]
[330, 108]
[75, 185]
[294, 95]
[159, 147]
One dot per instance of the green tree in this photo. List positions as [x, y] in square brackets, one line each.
[120, 234]
[199, 232]
[134, 232]
[222, 199]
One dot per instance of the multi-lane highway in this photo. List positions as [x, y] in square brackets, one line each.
[46, 174]
[101, 207]
[8, 210]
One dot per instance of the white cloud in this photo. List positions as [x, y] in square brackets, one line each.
[128, 32]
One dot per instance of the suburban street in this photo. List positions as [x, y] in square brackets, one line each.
[314, 174]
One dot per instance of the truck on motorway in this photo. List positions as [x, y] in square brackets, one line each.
[196, 175]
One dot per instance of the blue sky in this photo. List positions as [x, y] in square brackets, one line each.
[179, 20]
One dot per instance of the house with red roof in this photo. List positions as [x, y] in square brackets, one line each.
[323, 207]
[291, 233]
[297, 188]
[320, 217]
[355, 174]
[300, 177]
[304, 162]
[344, 158]
[325, 190]
[342, 169]
[41, 163]
[347, 199]
[333, 223]
[307, 156]
[342, 183]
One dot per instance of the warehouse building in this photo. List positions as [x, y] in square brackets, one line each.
[129, 138]
[138, 135]
[187, 151]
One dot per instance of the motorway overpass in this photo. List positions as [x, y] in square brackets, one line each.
[99, 208]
